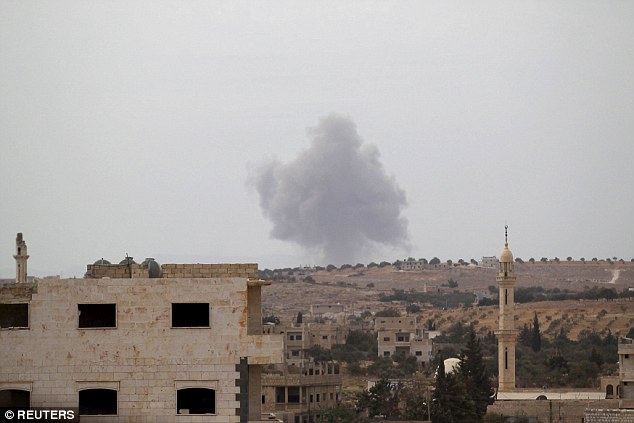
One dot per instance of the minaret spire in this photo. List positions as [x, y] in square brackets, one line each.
[20, 259]
[506, 333]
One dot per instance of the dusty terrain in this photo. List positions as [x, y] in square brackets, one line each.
[359, 290]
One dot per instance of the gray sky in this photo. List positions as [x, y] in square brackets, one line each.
[134, 127]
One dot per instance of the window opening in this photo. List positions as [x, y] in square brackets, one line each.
[95, 402]
[14, 315]
[280, 394]
[196, 401]
[97, 315]
[293, 394]
[15, 398]
[190, 315]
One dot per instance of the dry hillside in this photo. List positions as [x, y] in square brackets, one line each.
[359, 290]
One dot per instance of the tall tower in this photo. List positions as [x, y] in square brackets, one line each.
[20, 259]
[506, 333]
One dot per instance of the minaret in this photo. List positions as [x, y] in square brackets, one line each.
[20, 259]
[506, 333]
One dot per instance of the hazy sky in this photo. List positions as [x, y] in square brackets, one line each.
[135, 127]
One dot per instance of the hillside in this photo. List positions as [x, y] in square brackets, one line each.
[359, 290]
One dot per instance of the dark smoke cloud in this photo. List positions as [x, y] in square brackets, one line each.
[335, 197]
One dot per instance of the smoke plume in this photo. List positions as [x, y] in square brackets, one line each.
[335, 197]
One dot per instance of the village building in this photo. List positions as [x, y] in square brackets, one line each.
[137, 342]
[491, 262]
[401, 335]
[299, 390]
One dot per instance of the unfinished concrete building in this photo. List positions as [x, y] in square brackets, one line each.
[401, 335]
[299, 390]
[301, 394]
[182, 345]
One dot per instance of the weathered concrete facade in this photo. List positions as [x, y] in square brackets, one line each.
[130, 337]
[626, 372]
[400, 335]
[300, 395]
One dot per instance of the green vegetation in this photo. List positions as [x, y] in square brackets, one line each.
[538, 293]
[438, 299]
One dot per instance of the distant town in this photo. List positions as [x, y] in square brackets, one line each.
[498, 339]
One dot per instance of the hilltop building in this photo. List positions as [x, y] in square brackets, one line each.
[491, 262]
[135, 342]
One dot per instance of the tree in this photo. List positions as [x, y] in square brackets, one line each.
[388, 312]
[532, 260]
[338, 414]
[475, 375]
[331, 267]
[435, 260]
[536, 339]
[413, 308]
[319, 354]
[451, 283]
[380, 400]
[525, 336]
[595, 357]
[568, 258]
[450, 401]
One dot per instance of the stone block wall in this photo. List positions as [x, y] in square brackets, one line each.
[242, 270]
[561, 411]
[123, 271]
[142, 357]
[609, 416]
[116, 271]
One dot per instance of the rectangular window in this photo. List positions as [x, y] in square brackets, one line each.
[293, 394]
[298, 337]
[386, 353]
[386, 339]
[190, 315]
[317, 397]
[280, 395]
[14, 315]
[97, 316]
[295, 353]
[196, 401]
[324, 337]
[98, 402]
[419, 353]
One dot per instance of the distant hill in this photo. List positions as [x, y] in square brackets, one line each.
[360, 289]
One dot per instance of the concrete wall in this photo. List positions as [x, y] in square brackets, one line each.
[549, 411]
[144, 359]
[120, 271]
[609, 416]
